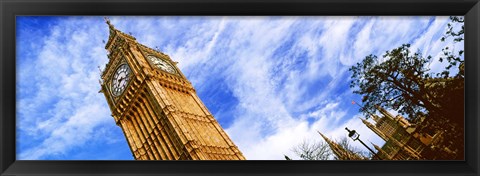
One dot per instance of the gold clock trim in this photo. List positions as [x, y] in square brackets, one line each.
[126, 78]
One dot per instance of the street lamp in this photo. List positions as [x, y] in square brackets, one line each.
[355, 136]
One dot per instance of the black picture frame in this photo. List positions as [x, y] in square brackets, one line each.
[10, 9]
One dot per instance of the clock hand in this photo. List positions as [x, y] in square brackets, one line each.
[123, 77]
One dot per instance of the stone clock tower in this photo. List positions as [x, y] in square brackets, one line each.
[156, 106]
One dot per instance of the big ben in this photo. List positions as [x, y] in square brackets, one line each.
[157, 108]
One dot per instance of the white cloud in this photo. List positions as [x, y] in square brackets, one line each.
[287, 74]
[66, 107]
[74, 132]
[431, 45]
[362, 46]
[333, 43]
[256, 147]
[431, 35]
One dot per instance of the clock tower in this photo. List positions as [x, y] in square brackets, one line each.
[157, 108]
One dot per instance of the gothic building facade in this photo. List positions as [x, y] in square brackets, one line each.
[156, 106]
[402, 141]
[340, 152]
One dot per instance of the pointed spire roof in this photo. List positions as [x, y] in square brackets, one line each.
[374, 129]
[111, 27]
[364, 121]
[116, 36]
[339, 151]
[381, 151]
[114, 30]
[375, 118]
[107, 20]
[367, 123]
[384, 112]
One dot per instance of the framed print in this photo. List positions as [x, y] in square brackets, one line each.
[208, 80]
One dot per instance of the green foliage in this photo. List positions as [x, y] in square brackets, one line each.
[455, 29]
[401, 82]
[398, 83]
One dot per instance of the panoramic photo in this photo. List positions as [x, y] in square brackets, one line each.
[240, 88]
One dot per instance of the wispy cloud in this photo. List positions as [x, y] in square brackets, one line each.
[270, 81]
[59, 107]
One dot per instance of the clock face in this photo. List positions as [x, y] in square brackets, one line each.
[161, 64]
[120, 79]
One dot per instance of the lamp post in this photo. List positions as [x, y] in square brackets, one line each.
[355, 136]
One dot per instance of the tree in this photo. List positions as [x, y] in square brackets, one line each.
[401, 81]
[344, 142]
[398, 83]
[451, 91]
[451, 56]
[322, 151]
[312, 150]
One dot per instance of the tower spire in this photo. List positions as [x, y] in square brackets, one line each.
[116, 37]
[161, 116]
[107, 20]
[374, 116]
[339, 151]
[374, 129]
[384, 112]
[381, 151]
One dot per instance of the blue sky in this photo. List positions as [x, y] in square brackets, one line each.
[271, 82]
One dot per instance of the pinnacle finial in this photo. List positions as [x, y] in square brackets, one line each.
[321, 134]
[107, 20]
[364, 120]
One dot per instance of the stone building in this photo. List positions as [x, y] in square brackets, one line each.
[340, 152]
[156, 106]
[402, 141]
